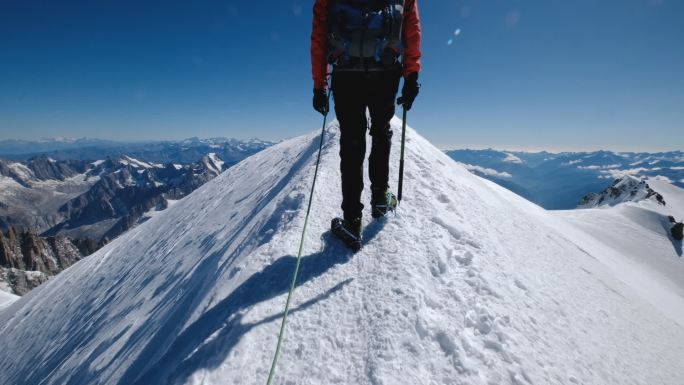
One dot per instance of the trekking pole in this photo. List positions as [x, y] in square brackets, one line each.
[401, 160]
[290, 294]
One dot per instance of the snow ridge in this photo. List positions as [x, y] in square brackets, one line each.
[467, 284]
[625, 189]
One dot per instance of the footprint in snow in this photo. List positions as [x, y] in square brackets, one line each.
[438, 267]
[443, 198]
[519, 284]
[464, 259]
[455, 233]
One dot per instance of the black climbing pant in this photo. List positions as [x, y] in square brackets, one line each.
[354, 91]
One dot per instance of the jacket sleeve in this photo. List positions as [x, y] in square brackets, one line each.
[412, 33]
[319, 44]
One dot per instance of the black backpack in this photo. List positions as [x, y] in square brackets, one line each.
[365, 30]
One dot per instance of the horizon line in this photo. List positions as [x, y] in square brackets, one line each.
[442, 147]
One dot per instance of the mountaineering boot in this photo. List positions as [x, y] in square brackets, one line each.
[383, 204]
[349, 231]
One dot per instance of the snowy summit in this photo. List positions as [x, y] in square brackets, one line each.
[467, 284]
[625, 189]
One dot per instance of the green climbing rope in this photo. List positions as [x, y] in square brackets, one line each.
[281, 334]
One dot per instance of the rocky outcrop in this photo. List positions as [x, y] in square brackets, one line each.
[45, 168]
[625, 189]
[20, 282]
[677, 229]
[27, 260]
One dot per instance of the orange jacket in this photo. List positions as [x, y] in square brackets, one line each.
[319, 41]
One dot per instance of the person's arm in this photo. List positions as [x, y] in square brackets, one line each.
[411, 38]
[319, 45]
[411, 62]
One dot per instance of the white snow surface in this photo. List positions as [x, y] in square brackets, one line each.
[633, 239]
[673, 195]
[6, 299]
[467, 284]
[127, 160]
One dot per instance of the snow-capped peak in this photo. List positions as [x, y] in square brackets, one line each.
[213, 163]
[468, 284]
[135, 163]
[625, 189]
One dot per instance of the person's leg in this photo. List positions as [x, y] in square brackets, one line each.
[350, 107]
[381, 105]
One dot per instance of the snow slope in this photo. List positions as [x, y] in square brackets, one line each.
[6, 299]
[673, 195]
[468, 284]
[633, 239]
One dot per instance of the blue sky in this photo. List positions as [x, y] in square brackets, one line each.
[542, 74]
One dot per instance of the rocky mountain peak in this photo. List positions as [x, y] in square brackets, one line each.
[625, 189]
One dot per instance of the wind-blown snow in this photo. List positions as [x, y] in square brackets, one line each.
[6, 299]
[468, 284]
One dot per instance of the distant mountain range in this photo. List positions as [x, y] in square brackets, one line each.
[561, 180]
[60, 206]
[12, 147]
[98, 192]
[86, 192]
[183, 151]
[552, 180]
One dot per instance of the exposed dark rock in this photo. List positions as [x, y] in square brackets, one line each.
[87, 246]
[44, 168]
[21, 281]
[27, 259]
[678, 231]
[625, 189]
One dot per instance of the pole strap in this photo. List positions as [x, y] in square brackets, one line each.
[293, 284]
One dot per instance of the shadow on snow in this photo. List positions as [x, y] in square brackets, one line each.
[208, 341]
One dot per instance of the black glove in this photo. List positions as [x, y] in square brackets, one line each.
[409, 91]
[320, 101]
